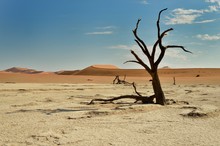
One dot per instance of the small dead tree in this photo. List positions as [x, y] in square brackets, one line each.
[153, 61]
[117, 80]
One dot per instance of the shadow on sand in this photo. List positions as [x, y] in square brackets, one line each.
[50, 111]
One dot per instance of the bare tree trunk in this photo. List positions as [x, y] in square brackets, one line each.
[160, 98]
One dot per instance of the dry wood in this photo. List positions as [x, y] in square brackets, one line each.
[154, 62]
[138, 97]
[143, 99]
[117, 80]
[152, 68]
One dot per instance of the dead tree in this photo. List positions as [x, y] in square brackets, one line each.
[152, 69]
[153, 61]
[117, 80]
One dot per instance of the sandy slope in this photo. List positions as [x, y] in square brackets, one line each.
[100, 74]
[57, 114]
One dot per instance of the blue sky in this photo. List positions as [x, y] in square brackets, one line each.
[52, 35]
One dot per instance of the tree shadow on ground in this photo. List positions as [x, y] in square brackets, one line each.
[50, 111]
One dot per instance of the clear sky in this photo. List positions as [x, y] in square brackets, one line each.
[52, 35]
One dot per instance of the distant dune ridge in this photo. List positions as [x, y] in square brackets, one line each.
[105, 73]
[99, 69]
[112, 70]
[22, 70]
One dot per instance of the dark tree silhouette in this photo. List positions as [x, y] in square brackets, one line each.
[153, 61]
[152, 69]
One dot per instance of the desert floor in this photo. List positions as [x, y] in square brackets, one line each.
[57, 114]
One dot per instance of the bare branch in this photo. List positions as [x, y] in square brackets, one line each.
[176, 46]
[162, 48]
[112, 99]
[137, 24]
[139, 41]
[143, 50]
[154, 49]
[159, 41]
[160, 36]
[143, 99]
[158, 23]
[165, 32]
[162, 53]
[135, 89]
[140, 61]
[132, 61]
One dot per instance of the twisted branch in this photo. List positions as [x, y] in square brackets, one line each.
[139, 41]
[139, 61]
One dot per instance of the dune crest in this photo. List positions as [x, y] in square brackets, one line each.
[91, 70]
[105, 66]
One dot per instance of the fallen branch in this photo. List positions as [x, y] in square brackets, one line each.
[143, 99]
[138, 97]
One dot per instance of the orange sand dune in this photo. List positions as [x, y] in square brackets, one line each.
[105, 66]
[111, 70]
[142, 73]
[96, 74]
[91, 70]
